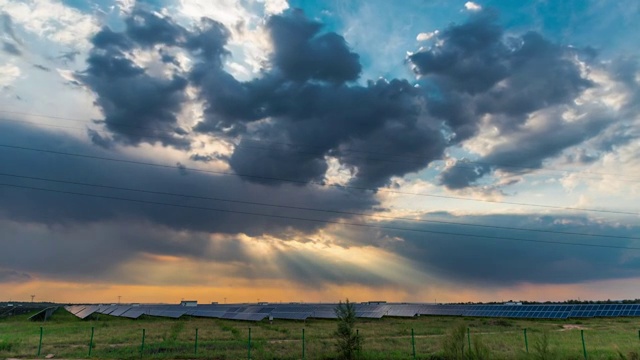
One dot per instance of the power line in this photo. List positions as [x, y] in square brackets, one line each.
[364, 225]
[135, 162]
[313, 209]
[422, 160]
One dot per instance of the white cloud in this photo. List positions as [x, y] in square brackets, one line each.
[427, 36]
[51, 20]
[275, 6]
[8, 73]
[471, 6]
[249, 43]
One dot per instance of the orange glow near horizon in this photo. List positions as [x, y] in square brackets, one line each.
[284, 291]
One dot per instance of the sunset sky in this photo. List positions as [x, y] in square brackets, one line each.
[274, 150]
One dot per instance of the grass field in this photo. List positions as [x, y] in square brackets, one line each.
[389, 338]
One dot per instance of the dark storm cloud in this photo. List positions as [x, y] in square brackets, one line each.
[504, 262]
[313, 113]
[463, 173]
[137, 106]
[13, 276]
[302, 53]
[504, 75]
[63, 254]
[67, 229]
[208, 41]
[527, 150]
[471, 59]
[474, 69]
[31, 206]
[148, 29]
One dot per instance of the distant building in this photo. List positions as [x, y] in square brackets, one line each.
[189, 303]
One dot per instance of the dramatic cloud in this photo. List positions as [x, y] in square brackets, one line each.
[138, 106]
[306, 100]
[301, 53]
[188, 213]
[262, 150]
[499, 260]
[475, 73]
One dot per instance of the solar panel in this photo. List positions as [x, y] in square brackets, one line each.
[86, 312]
[120, 310]
[249, 316]
[323, 314]
[290, 315]
[133, 313]
[207, 313]
[252, 312]
[110, 309]
[370, 314]
[73, 309]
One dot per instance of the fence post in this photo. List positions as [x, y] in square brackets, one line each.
[249, 346]
[40, 343]
[526, 342]
[195, 350]
[584, 348]
[142, 344]
[413, 344]
[91, 341]
[303, 344]
[469, 339]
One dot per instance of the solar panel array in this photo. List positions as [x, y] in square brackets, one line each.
[252, 312]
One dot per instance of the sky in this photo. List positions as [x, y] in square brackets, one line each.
[312, 151]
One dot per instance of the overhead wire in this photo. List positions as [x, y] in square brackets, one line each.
[363, 225]
[422, 160]
[349, 213]
[317, 183]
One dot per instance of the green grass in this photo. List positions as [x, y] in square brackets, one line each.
[390, 338]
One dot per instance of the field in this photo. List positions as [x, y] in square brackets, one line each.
[389, 338]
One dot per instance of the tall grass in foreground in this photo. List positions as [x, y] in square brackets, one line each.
[389, 338]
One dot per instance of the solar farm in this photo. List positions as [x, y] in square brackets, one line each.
[307, 331]
[259, 312]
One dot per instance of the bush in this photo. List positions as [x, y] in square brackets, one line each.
[454, 343]
[479, 350]
[348, 341]
[541, 347]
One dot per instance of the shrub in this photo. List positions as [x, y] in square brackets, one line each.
[453, 343]
[479, 350]
[348, 341]
[541, 347]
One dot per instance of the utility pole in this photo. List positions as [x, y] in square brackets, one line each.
[32, 296]
[119, 299]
